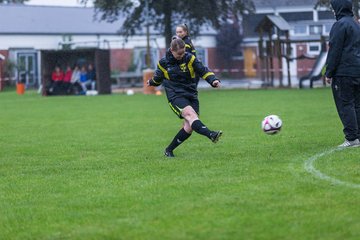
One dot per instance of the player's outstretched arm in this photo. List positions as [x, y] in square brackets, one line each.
[205, 73]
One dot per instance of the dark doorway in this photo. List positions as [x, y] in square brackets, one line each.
[80, 57]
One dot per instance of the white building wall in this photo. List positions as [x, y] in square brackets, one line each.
[44, 42]
[34, 42]
[51, 42]
[284, 9]
[204, 42]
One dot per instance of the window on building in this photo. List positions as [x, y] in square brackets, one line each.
[139, 59]
[315, 29]
[201, 55]
[313, 48]
[300, 30]
[326, 15]
[238, 55]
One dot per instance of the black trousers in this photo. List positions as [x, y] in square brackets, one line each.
[346, 92]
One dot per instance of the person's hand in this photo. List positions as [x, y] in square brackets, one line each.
[328, 80]
[216, 84]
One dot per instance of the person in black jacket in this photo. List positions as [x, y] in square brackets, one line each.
[343, 69]
[176, 71]
[182, 31]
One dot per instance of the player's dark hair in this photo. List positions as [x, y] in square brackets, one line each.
[177, 44]
[174, 37]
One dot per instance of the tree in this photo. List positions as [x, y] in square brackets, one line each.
[326, 3]
[165, 14]
[13, 1]
[228, 39]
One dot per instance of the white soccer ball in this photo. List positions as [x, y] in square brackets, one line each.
[130, 92]
[271, 124]
[91, 93]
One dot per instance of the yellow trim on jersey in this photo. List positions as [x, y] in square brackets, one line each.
[191, 69]
[166, 74]
[207, 74]
[155, 81]
[188, 46]
[174, 109]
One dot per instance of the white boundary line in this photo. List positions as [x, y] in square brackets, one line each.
[309, 167]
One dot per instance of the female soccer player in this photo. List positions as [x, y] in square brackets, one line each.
[176, 71]
[182, 31]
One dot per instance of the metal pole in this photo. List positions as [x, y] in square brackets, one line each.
[147, 35]
[261, 53]
[288, 54]
[271, 55]
[279, 55]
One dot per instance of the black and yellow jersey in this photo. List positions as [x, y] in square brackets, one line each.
[179, 76]
[189, 47]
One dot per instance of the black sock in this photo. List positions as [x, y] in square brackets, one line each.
[200, 128]
[180, 137]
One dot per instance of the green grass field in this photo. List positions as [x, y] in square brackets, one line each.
[93, 168]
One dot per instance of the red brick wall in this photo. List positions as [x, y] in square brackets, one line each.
[5, 53]
[233, 69]
[120, 59]
[162, 53]
[304, 66]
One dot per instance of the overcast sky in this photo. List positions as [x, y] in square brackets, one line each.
[56, 2]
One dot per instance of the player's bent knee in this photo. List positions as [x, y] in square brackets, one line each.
[189, 112]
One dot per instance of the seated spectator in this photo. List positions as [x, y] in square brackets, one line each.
[75, 80]
[67, 79]
[75, 76]
[83, 79]
[57, 77]
[91, 76]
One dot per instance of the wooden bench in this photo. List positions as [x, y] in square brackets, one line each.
[128, 79]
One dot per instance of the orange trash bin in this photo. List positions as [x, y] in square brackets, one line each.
[147, 74]
[20, 88]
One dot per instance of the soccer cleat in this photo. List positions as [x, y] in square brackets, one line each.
[347, 143]
[168, 153]
[215, 135]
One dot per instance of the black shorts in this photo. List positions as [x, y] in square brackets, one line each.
[179, 103]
